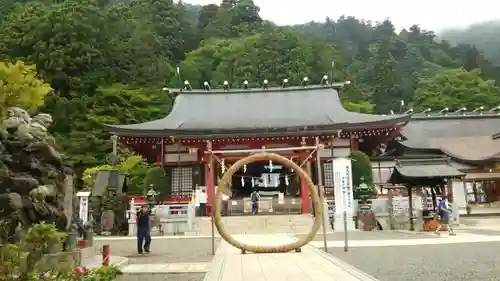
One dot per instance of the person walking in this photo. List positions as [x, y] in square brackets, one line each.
[143, 230]
[444, 211]
[202, 199]
[255, 196]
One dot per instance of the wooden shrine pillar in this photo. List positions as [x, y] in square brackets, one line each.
[160, 154]
[209, 178]
[304, 190]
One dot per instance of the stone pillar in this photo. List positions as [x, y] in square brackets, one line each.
[304, 190]
[132, 218]
[344, 201]
[209, 179]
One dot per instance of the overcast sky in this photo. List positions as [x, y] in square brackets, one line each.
[429, 14]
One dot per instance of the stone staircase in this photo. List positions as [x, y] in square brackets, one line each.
[259, 224]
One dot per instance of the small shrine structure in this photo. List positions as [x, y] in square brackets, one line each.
[209, 128]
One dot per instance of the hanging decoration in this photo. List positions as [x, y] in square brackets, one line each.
[242, 181]
[271, 166]
[244, 168]
[286, 180]
[253, 182]
[265, 181]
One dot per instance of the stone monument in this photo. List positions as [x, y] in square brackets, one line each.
[35, 178]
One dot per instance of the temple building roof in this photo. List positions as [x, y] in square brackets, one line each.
[472, 149]
[269, 112]
[436, 131]
[424, 171]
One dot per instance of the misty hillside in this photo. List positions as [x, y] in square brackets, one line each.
[484, 35]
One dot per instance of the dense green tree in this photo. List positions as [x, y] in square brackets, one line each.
[107, 61]
[456, 88]
[63, 40]
[272, 56]
[20, 87]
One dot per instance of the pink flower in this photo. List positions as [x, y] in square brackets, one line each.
[81, 270]
[44, 275]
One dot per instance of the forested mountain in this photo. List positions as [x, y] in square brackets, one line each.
[485, 36]
[108, 61]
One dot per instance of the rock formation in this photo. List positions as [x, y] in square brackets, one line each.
[33, 173]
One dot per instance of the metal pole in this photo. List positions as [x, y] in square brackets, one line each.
[162, 151]
[209, 151]
[321, 190]
[212, 183]
[346, 243]
[344, 205]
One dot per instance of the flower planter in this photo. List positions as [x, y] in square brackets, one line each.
[82, 244]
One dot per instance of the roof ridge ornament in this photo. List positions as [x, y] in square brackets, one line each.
[461, 110]
[245, 85]
[187, 86]
[324, 80]
[226, 86]
[206, 85]
[304, 81]
[265, 85]
[444, 110]
[496, 108]
[285, 82]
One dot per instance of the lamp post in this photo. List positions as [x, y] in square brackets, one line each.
[151, 196]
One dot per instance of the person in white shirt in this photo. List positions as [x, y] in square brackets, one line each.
[225, 204]
[202, 199]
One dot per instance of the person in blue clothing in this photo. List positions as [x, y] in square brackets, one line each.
[444, 212]
[143, 230]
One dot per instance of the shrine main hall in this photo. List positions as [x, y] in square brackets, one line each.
[207, 130]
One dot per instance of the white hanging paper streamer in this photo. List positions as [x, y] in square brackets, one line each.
[286, 180]
[223, 166]
[253, 182]
[270, 165]
[245, 168]
[242, 181]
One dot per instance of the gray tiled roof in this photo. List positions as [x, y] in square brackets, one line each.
[423, 131]
[284, 110]
[423, 169]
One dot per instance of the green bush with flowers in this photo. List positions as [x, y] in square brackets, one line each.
[39, 255]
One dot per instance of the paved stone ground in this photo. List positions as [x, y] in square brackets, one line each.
[372, 235]
[164, 251]
[163, 277]
[445, 262]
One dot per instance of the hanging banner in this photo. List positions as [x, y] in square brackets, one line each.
[342, 176]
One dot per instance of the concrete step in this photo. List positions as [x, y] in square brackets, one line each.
[258, 224]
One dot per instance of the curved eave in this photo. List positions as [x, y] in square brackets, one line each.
[288, 131]
[478, 160]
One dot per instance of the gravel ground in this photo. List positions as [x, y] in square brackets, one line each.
[164, 250]
[444, 262]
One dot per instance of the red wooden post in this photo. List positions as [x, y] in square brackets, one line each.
[105, 255]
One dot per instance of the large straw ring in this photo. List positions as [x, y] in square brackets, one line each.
[225, 185]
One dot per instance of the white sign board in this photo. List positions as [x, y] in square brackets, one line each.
[84, 206]
[342, 177]
[344, 201]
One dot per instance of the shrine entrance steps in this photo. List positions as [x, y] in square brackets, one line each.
[311, 264]
[270, 224]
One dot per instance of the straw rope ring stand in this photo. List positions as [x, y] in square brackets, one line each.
[225, 185]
